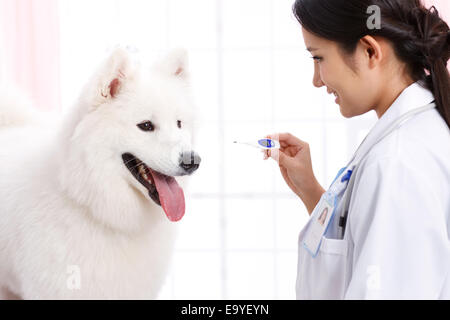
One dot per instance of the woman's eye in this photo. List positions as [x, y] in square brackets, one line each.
[146, 126]
[317, 59]
[179, 124]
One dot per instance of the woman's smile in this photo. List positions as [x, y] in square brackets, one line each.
[331, 91]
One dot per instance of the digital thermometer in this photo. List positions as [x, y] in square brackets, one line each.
[265, 144]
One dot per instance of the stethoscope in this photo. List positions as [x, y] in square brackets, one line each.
[357, 158]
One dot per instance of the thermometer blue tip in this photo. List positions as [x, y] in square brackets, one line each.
[266, 143]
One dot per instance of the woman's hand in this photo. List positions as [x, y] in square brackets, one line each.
[294, 160]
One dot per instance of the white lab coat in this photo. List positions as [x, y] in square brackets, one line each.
[397, 239]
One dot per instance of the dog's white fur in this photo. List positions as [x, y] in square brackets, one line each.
[68, 203]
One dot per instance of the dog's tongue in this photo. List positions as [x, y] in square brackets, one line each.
[171, 196]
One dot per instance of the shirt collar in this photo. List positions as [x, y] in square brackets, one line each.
[413, 97]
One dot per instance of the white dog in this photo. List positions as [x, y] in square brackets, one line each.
[87, 208]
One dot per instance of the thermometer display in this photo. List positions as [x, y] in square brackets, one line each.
[265, 144]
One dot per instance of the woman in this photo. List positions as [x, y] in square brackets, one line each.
[388, 237]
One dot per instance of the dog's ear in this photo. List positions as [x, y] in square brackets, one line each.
[111, 77]
[175, 64]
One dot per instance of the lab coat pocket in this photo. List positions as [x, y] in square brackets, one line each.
[334, 246]
[323, 277]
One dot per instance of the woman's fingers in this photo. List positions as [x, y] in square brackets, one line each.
[290, 146]
[287, 139]
[266, 154]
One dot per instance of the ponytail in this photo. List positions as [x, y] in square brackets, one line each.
[434, 43]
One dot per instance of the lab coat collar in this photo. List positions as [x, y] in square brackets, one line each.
[413, 97]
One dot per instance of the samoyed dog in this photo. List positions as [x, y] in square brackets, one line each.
[88, 203]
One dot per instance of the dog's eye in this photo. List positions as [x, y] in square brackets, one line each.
[146, 126]
[179, 124]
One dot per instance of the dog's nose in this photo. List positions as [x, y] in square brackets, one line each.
[190, 161]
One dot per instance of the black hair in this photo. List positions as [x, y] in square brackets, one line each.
[420, 37]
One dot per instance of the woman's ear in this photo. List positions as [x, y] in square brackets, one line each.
[373, 50]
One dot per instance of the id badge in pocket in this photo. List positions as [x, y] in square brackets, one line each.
[321, 219]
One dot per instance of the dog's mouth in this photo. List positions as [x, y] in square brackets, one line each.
[163, 190]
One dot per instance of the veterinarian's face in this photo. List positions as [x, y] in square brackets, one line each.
[342, 74]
